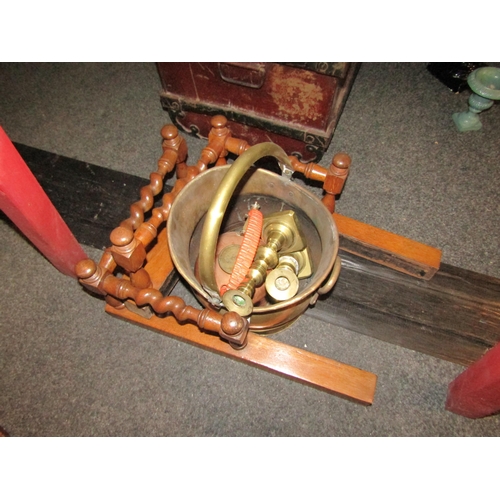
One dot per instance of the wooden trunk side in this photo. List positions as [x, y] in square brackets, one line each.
[287, 94]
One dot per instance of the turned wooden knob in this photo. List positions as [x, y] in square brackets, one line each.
[341, 161]
[121, 236]
[335, 179]
[218, 121]
[337, 173]
[127, 251]
[169, 132]
[232, 323]
[234, 329]
[85, 268]
[90, 275]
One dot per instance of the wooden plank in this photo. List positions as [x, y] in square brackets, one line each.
[370, 299]
[281, 359]
[386, 248]
[92, 200]
[455, 316]
[475, 393]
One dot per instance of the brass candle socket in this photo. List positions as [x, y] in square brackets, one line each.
[282, 233]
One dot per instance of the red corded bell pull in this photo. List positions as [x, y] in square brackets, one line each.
[247, 251]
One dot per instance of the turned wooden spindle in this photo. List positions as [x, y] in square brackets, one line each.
[335, 179]
[230, 326]
[234, 328]
[107, 261]
[107, 265]
[129, 250]
[215, 151]
[173, 143]
[236, 146]
[138, 208]
[311, 170]
[141, 279]
[219, 134]
[148, 230]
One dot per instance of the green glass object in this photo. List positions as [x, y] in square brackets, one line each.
[485, 86]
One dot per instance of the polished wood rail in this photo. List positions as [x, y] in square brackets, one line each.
[299, 365]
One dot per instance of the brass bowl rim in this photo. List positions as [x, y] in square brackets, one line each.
[319, 209]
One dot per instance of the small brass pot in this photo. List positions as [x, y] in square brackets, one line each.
[186, 229]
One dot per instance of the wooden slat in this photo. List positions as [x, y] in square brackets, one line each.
[92, 200]
[263, 352]
[386, 248]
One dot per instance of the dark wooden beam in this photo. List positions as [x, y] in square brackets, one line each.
[453, 316]
[386, 248]
[92, 200]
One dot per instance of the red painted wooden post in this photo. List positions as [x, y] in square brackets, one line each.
[25, 203]
[475, 393]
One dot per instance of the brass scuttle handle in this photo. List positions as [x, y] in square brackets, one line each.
[217, 209]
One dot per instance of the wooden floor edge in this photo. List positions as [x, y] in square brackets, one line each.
[302, 366]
